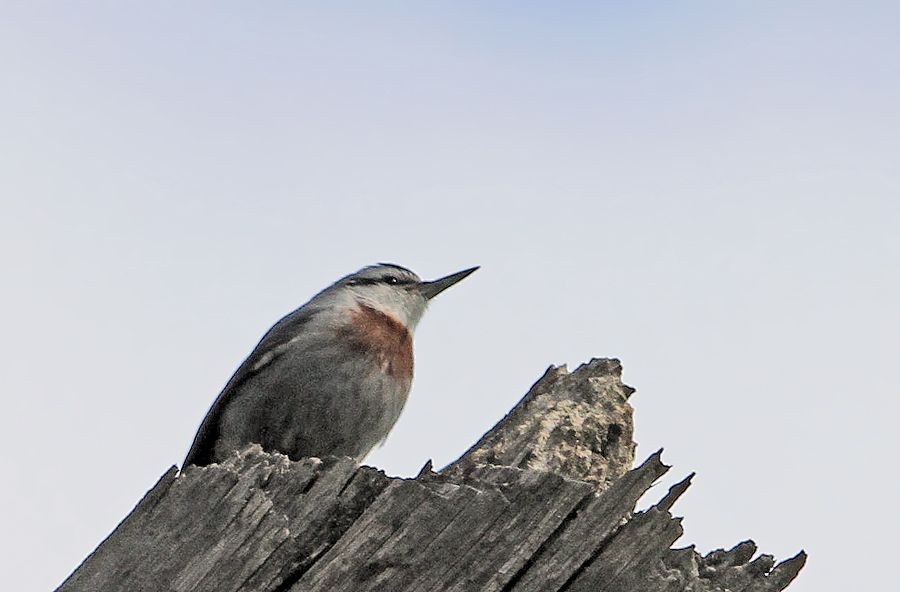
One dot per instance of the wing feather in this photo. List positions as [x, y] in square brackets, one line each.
[273, 344]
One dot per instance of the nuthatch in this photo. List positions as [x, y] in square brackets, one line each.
[330, 378]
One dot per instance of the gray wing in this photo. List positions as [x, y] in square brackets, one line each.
[275, 342]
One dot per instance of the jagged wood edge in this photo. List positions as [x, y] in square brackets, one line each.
[277, 526]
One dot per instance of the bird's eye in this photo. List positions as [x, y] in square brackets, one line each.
[391, 279]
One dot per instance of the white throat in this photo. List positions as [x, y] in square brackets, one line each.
[404, 305]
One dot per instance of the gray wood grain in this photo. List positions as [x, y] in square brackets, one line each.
[515, 514]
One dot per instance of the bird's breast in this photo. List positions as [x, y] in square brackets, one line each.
[381, 336]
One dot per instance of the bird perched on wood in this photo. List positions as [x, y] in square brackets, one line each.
[330, 378]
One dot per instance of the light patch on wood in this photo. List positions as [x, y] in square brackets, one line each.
[576, 424]
[564, 435]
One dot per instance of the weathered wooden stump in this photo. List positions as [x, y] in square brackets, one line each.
[543, 502]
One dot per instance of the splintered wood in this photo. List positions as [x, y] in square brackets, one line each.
[514, 514]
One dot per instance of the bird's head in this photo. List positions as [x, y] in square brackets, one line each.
[395, 290]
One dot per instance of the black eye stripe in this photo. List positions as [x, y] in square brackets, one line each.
[397, 281]
[391, 280]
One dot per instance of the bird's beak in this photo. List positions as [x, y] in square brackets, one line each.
[435, 287]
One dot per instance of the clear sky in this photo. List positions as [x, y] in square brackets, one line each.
[707, 190]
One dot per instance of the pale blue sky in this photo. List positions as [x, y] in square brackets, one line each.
[707, 190]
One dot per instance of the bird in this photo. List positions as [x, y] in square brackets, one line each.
[329, 378]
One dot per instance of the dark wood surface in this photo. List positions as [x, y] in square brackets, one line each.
[515, 513]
